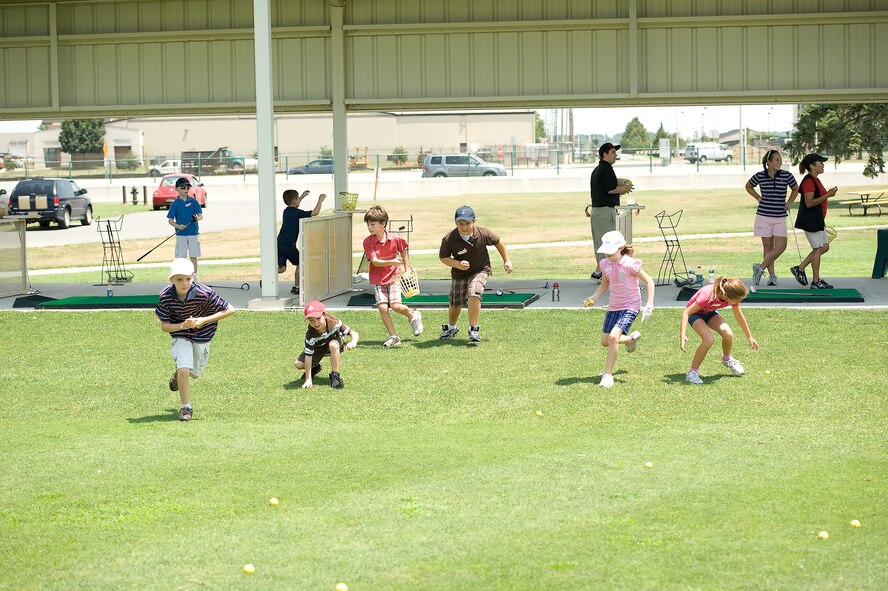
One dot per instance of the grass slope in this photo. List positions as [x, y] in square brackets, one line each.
[432, 470]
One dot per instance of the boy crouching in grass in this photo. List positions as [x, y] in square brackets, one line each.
[324, 337]
[190, 312]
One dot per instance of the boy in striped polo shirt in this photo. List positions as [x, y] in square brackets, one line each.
[189, 311]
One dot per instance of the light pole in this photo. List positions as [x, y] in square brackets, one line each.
[702, 126]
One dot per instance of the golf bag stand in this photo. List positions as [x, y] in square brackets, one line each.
[113, 268]
[668, 271]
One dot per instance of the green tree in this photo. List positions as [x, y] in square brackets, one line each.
[539, 130]
[842, 131]
[635, 135]
[82, 136]
[662, 133]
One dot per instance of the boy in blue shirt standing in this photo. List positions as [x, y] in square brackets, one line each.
[289, 232]
[184, 214]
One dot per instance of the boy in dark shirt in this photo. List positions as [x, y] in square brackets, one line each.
[287, 250]
[464, 250]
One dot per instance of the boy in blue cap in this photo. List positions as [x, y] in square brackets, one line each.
[464, 250]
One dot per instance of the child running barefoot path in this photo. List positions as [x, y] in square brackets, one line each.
[701, 314]
[190, 312]
[386, 254]
[620, 274]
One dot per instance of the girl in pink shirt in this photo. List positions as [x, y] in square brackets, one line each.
[701, 314]
[620, 274]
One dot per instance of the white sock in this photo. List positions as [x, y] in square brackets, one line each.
[188, 405]
[451, 326]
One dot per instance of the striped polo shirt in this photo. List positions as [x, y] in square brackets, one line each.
[334, 329]
[199, 301]
[773, 203]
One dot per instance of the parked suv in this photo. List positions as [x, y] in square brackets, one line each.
[707, 151]
[441, 165]
[53, 200]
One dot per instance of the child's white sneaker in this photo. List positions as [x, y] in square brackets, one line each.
[392, 341]
[630, 347]
[416, 323]
[607, 380]
[734, 366]
[693, 377]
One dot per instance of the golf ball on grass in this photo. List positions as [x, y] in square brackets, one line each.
[855, 523]
[539, 413]
[649, 465]
[249, 569]
[767, 372]
[274, 502]
[823, 535]
[341, 587]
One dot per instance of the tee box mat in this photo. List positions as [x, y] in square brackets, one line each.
[508, 299]
[791, 296]
[100, 302]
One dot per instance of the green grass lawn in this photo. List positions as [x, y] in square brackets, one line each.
[432, 470]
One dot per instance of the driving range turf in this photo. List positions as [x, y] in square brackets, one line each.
[432, 469]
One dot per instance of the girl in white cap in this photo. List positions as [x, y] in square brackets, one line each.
[620, 274]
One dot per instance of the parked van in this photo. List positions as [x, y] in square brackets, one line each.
[444, 165]
[707, 151]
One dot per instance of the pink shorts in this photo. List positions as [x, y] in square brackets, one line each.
[768, 227]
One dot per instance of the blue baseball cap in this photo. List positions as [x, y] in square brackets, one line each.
[465, 214]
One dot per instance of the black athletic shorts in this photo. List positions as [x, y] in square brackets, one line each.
[288, 253]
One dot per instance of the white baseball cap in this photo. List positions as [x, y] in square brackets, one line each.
[181, 267]
[611, 242]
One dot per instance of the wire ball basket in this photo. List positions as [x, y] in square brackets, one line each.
[348, 201]
[409, 283]
[830, 234]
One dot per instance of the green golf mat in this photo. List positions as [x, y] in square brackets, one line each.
[97, 302]
[767, 295]
[431, 300]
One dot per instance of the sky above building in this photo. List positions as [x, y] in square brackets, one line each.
[689, 121]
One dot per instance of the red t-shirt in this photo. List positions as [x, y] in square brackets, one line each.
[808, 187]
[384, 251]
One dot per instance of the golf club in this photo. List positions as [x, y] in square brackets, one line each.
[162, 241]
[797, 243]
[242, 286]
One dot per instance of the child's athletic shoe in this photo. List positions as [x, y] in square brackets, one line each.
[315, 370]
[630, 347]
[447, 332]
[474, 334]
[799, 275]
[184, 414]
[757, 273]
[693, 377]
[416, 323]
[294, 290]
[596, 276]
[772, 280]
[336, 380]
[607, 380]
[821, 285]
[174, 381]
[734, 366]
[392, 341]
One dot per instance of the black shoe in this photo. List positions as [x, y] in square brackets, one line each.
[336, 380]
[315, 370]
[799, 275]
[821, 285]
[174, 381]
[294, 291]
[596, 276]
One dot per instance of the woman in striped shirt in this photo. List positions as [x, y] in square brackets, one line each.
[770, 217]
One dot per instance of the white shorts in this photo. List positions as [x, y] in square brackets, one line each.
[194, 356]
[769, 227]
[816, 239]
[187, 246]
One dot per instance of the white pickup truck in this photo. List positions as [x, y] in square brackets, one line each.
[168, 167]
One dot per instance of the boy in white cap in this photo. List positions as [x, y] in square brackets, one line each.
[464, 250]
[190, 312]
[620, 273]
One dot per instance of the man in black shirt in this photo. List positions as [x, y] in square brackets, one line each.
[605, 196]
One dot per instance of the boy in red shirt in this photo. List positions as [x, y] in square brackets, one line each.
[386, 254]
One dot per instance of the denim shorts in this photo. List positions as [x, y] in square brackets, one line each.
[706, 317]
[621, 318]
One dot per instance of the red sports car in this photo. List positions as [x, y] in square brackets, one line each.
[166, 192]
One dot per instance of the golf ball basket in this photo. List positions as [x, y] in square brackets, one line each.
[348, 201]
[830, 234]
[409, 283]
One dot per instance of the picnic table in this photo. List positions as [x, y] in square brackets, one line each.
[866, 200]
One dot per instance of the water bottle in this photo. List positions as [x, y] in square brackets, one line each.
[711, 273]
[556, 293]
[700, 274]
[110, 291]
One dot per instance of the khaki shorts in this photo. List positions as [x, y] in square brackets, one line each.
[816, 239]
[194, 356]
[187, 246]
[466, 287]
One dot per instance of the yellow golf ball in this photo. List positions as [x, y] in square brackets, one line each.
[539, 413]
[767, 372]
[249, 569]
[341, 587]
[274, 502]
[855, 523]
[823, 535]
[649, 465]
